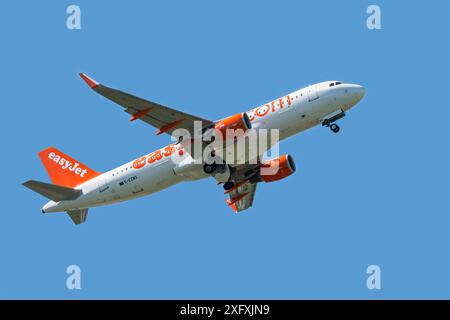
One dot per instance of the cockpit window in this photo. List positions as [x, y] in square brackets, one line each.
[338, 83]
[332, 84]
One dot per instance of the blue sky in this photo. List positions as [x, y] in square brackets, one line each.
[376, 193]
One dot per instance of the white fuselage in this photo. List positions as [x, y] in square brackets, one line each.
[291, 114]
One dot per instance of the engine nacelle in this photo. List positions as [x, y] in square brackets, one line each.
[236, 122]
[277, 169]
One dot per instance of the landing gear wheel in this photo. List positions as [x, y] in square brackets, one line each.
[209, 168]
[335, 128]
[228, 185]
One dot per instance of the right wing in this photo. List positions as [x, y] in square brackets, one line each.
[165, 119]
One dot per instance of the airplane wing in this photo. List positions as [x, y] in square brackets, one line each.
[241, 198]
[243, 192]
[165, 119]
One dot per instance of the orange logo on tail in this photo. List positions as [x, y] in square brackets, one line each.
[64, 170]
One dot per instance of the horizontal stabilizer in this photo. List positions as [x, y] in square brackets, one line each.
[78, 216]
[52, 191]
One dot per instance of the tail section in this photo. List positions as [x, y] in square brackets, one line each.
[64, 170]
[51, 191]
[78, 216]
[56, 194]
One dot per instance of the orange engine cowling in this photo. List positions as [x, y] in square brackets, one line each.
[236, 122]
[277, 169]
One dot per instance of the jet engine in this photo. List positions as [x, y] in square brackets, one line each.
[239, 121]
[277, 169]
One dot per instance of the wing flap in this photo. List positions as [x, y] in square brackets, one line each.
[241, 198]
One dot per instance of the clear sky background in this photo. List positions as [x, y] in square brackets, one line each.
[376, 193]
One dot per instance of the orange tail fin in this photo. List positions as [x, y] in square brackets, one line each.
[64, 170]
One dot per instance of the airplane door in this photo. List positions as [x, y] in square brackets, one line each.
[312, 93]
[103, 190]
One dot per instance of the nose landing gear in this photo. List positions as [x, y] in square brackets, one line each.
[335, 128]
[329, 122]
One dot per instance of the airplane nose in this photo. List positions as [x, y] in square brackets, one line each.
[357, 93]
[360, 92]
[353, 94]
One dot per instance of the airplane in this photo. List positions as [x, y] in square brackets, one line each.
[75, 187]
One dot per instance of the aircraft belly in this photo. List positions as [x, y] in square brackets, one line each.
[133, 185]
[158, 177]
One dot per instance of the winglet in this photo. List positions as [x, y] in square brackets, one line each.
[91, 82]
[232, 205]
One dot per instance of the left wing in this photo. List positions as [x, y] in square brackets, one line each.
[241, 197]
[242, 193]
[165, 119]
